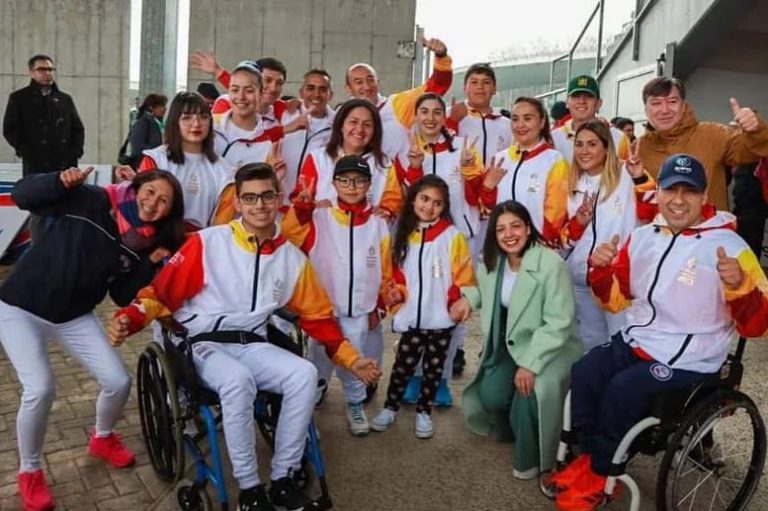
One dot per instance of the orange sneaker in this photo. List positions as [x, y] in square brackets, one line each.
[34, 492]
[112, 449]
[564, 479]
[585, 494]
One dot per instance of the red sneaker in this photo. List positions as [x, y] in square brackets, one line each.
[112, 449]
[565, 478]
[34, 492]
[585, 494]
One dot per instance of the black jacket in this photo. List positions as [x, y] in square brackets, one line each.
[45, 131]
[145, 134]
[68, 271]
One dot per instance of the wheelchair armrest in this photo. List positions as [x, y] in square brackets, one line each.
[287, 315]
[172, 326]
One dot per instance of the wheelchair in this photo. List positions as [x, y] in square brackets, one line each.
[171, 399]
[712, 439]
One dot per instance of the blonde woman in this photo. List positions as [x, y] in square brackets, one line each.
[603, 202]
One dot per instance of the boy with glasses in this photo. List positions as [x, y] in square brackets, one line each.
[350, 247]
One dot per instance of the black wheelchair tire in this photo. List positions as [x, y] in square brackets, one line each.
[192, 497]
[159, 413]
[699, 417]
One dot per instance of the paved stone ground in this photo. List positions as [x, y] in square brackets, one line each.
[454, 471]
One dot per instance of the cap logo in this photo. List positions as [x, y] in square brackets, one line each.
[582, 81]
[683, 165]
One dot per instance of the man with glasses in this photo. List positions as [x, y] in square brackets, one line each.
[41, 123]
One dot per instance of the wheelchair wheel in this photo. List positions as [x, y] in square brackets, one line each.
[192, 497]
[714, 460]
[159, 412]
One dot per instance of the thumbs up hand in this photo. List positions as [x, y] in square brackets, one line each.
[729, 270]
[744, 118]
[604, 254]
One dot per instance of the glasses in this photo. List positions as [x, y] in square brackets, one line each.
[355, 182]
[190, 118]
[45, 69]
[251, 199]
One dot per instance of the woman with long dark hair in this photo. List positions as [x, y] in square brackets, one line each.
[356, 130]
[188, 153]
[527, 315]
[97, 241]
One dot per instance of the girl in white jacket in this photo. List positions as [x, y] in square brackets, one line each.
[432, 264]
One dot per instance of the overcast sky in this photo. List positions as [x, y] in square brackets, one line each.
[459, 23]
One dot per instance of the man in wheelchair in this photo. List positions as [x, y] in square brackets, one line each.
[222, 285]
[688, 282]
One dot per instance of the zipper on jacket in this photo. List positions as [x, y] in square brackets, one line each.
[485, 139]
[594, 233]
[434, 159]
[514, 174]
[106, 233]
[256, 276]
[653, 284]
[307, 139]
[471, 232]
[421, 277]
[680, 352]
[351, 261]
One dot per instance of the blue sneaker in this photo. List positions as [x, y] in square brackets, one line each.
[443, 398]
[412, 390]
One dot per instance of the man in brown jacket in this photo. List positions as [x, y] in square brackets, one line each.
[673, 128]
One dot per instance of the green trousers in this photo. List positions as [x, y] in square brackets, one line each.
[517, 416]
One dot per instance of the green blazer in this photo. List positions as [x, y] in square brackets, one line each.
[540, 335]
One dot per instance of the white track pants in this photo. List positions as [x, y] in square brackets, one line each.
[356, 331]
[596, 325]
[25, 337]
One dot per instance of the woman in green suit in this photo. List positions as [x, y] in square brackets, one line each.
[527, 315]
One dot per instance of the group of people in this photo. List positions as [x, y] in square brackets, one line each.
[595, 264]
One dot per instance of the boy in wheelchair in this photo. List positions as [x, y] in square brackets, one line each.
[688, 282]
[222, 285]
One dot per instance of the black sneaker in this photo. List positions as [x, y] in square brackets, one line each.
[255, 499]
[370, 392]
[285, 493]
[458, 363]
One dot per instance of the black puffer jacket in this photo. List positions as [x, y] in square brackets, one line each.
[45, 131]
[67, 272]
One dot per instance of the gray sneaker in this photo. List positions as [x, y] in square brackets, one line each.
[424, 425]
[358, 422]
[383, 420]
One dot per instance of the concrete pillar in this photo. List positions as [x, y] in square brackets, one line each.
[159, 30]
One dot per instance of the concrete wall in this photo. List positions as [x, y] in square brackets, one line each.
[666, 21]
[330, 34]
[88, 41]
[739, 68]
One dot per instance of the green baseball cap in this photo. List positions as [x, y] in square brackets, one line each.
[584, 83]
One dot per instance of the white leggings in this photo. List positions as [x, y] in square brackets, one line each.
[25, 337]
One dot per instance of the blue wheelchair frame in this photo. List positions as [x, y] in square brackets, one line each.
[162, 418]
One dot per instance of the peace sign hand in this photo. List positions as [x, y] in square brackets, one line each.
[305, 191]
[276, 157]
[494, 173]
[73, 177]
[633, 164]
[415, 153]
[468, 154]
[587, 208]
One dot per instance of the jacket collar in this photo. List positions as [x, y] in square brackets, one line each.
[247, 241]
[361, 212]
[431, 232]
[36, 86]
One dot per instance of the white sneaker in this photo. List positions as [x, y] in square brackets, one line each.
[358, 422]
[424, 425]
[525, 475]
[383, 420]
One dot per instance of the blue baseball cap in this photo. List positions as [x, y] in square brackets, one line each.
[682, 168]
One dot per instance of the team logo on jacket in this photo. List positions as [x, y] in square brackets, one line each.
[193, 185]
[454, 177]
[618, 208]
[437, 268]
[371, 259]
[177, 259]
[277, 291]
[501, 144]
[534, 185]
[661, 372]
[687, 274]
